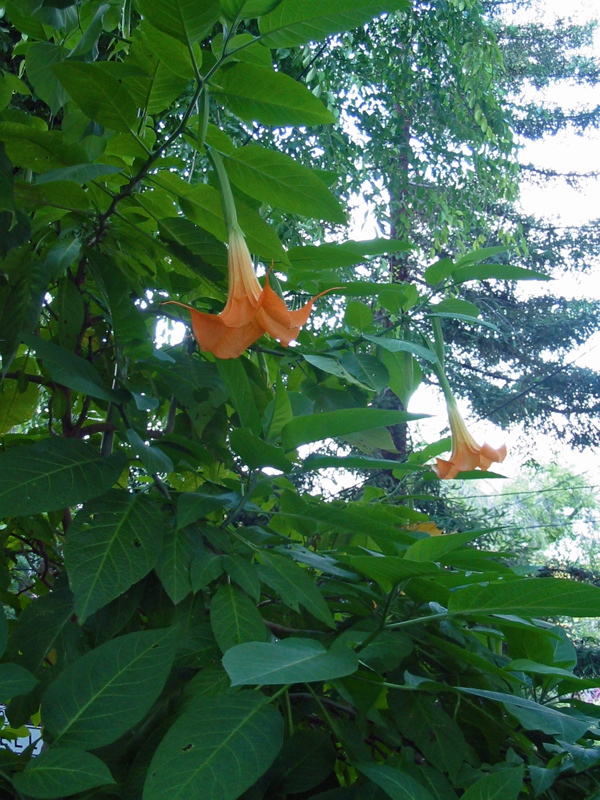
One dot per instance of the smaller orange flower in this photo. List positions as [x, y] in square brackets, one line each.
[251, 310]
[466, 453]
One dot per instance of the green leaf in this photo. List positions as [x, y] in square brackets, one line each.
[187, 20]
[80, 173]
[396, 784]
[53, 474]
[294, 585]
[276, 179]
[244, 573]
[216, 750]
[206, 567]
[153, 458]
[61, 772]
[476, 256]
[240, 391]
[15, 680]
[39, 59]
[390, 570]
[3, 632]
[256, 453]
[355, 462]
[235, 619]
[500, 272]
[256, 8]
[98, 94]
[260, 94]
[433, 547]
[114, 542]
[358, 315]
[452, 305]
[330, 424]
[367, 369]
[535, 717]
[17, 406]
[202, 204]
[323, 257]
[61, 256]
[542, 597]
[192, 506]
[503, 785]
[103, 694]
[399, 345]
[41, 628]
[156, 90]
[421, 720]
[295, 22]
[438, 272]
[288, 661]
[180, 547]
[71, 370]
[307, 758]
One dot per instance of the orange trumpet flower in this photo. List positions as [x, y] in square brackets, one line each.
[251, 310]
[466, 453]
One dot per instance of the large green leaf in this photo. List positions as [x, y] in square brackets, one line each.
[41, 627]
[433, 547]
[396, 784]
[503, 785]
[17, 406]
[389, 570]
[278, 180]
[235, 619]
[216, 750]
[180, 547]
[53, 474]
[39, 59]
[79, 173]
[259, 94]
[61, 772]
[186, 20]
[14, 680]
[104, 693]
[500, 272]
[288, 661]
[399, 345]
[536, 717]
[294, 586]
[99, 95]
[542, 597]
[202, 204]
[294, 22]
[423, 721]
[71, 370]
[256, 453]
[3, 632]
[241, 392]
[113, 542]
[330, 424]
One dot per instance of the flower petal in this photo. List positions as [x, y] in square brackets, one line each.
[214, 336]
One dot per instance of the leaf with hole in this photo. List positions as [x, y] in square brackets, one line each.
[113, 542]
[216, 749]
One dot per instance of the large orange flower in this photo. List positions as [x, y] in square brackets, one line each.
[251, 310]
[466, 453]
